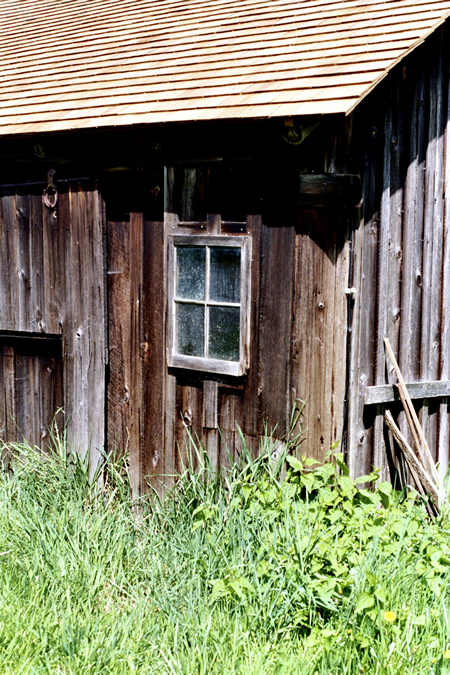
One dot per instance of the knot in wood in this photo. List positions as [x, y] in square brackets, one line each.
[187, 417]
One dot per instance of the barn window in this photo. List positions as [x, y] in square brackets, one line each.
[209, 303]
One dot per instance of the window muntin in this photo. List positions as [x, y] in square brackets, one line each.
[208, 303]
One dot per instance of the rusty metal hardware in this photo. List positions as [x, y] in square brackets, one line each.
[50, 191]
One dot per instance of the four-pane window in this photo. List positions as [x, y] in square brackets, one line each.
[208, 301]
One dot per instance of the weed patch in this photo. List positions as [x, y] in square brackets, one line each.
[240, 572]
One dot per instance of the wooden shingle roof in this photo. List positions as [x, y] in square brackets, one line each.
[74, 64]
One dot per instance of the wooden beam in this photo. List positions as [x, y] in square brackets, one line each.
[330, 189]
[387, 393]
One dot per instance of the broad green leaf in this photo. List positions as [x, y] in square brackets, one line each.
[365, 601]
[294, 463]
[308, 480]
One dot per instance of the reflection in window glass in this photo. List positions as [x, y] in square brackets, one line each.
[225, 283]
[224, 333]
[190, 321]
[191, 272]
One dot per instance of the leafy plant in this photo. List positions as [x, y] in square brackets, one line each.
[280, 564]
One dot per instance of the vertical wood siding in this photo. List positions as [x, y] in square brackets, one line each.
[54, 286]
[401, 249]
[297, 347]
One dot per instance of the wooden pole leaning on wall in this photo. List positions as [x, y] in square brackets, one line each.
[425, 460]
[421, 477]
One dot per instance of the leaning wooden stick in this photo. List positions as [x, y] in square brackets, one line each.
[411, 415]
[411, 459]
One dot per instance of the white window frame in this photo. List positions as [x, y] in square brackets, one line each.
[205, 364]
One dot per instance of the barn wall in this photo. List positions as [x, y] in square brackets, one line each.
[52, 316]
[401, 250]
[298, 345]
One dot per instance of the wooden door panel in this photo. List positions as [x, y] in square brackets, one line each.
[319, 358]
[31, 379]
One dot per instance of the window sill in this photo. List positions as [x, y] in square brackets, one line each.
[234, 368]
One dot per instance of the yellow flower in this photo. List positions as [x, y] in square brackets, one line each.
[447, 654]
[390, 617]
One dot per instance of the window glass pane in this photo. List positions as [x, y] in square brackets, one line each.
[191, 272]
[190, 321]
[225, 284]
[224, 331]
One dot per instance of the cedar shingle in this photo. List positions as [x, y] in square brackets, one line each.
[77, 64]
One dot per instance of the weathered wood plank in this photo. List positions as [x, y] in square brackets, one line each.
[38, 316]
[444, 411]
[9, 382]
[330, 189]
[135, 350]
[125, 278]
[119, 300]
[84, 329]
[57, 264]
[11, 262]
[387, 393]
[156, 462]
[432, 247]
[229, 418]
[384, 281]
[320, 250]
[3, 436]
[250, 401]
[409, 353]
[188, 422]
[275, 320]
[210, 404]
[340, 330]
[24, 263]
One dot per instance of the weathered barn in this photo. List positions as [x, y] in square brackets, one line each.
[212, 209]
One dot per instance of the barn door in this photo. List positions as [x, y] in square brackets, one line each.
[52, 314]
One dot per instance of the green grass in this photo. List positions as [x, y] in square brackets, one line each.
[240, 573]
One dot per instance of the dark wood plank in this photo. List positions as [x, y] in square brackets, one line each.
[275, 320]
[409, 353]
[188, 422]
[250, 420]
[126, 346]
[24, 263]
[330, 189]
[156, 462]
[38, 294]
[229, 418]
[11, 262]
[210, 421]
[432, 249]
[444, 416]
[9, 382]
[384, 281]
[119, 332]
[362, 374]
[2, 400]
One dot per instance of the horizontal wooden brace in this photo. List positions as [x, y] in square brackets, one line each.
[387, 393]
[330, 189]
